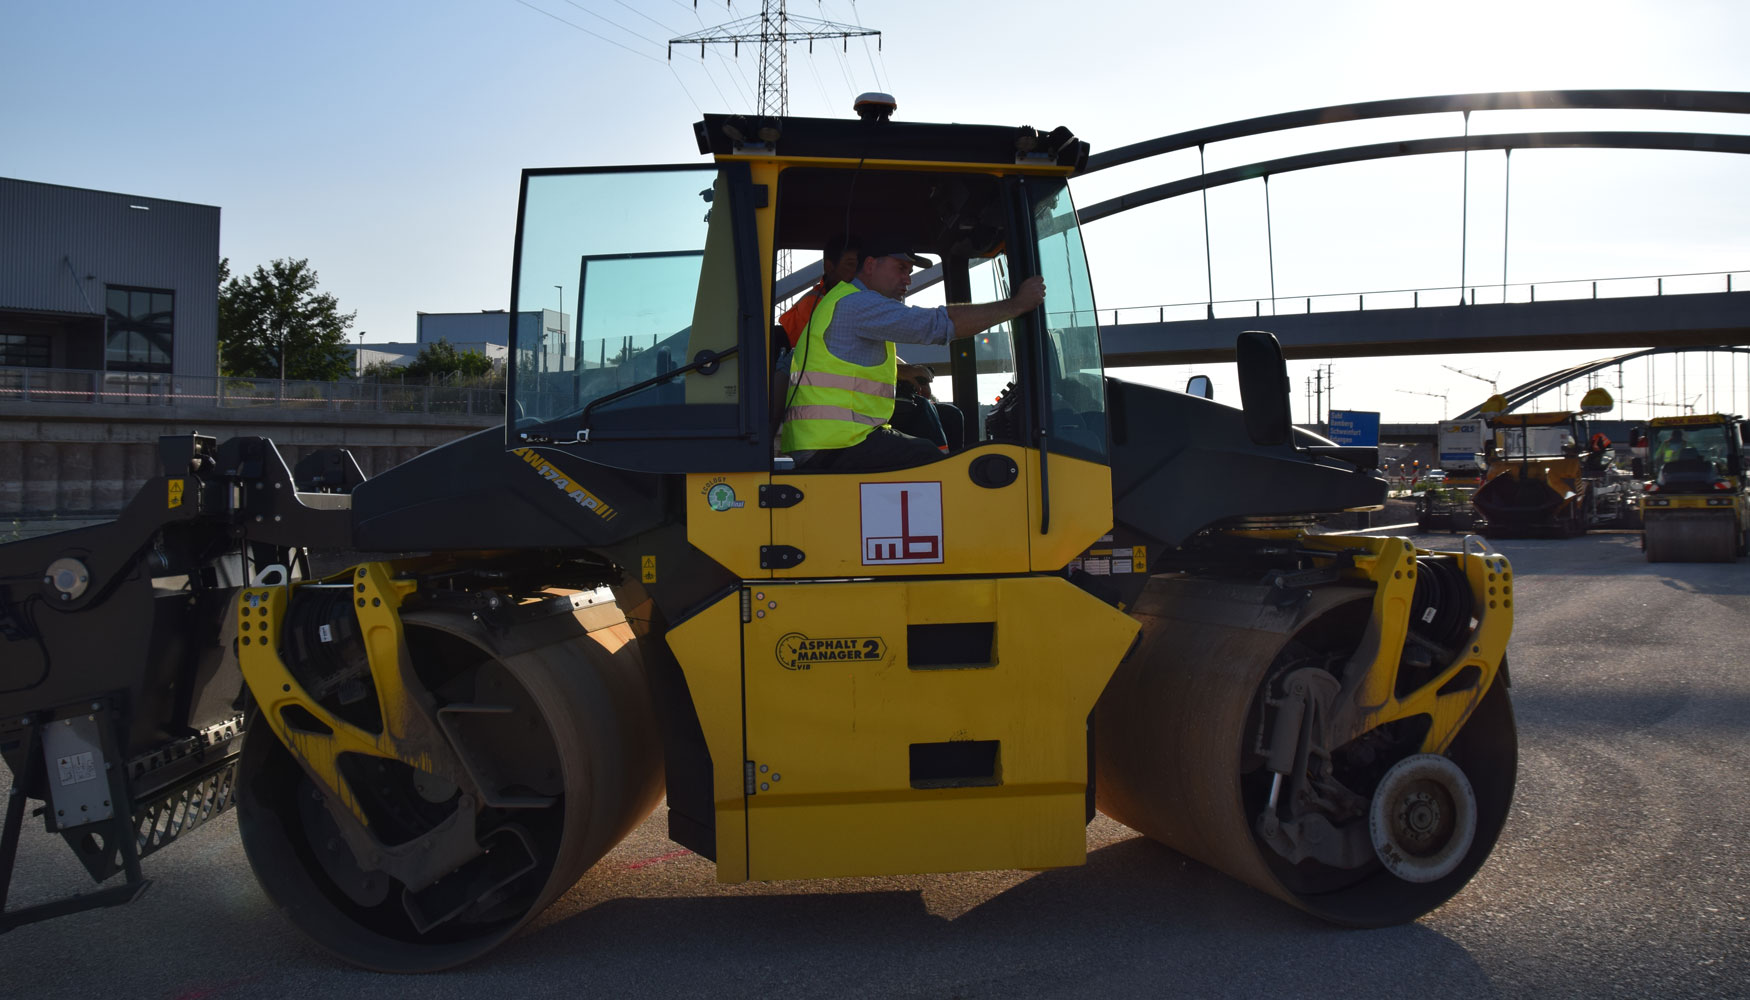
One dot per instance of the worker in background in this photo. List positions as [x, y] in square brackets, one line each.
[917, 411]
[1671, 449]
[838, 264]
[845, 366]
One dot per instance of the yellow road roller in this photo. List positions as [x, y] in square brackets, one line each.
[1696, 501]
[436, 696]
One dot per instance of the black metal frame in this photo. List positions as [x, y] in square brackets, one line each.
[117, 833]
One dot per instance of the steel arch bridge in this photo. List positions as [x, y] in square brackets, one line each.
[1670, 321]
[1519, 395]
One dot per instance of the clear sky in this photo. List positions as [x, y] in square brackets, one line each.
[383, 140]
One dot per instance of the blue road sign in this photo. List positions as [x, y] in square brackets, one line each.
[1358, 428]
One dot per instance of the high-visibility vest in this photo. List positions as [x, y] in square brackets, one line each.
[832, 403]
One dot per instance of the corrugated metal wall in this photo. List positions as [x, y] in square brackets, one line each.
[60, 246]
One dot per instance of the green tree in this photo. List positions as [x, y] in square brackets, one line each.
[274, 323]
[383, 371]
[442, 359]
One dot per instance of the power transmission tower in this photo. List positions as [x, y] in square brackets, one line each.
[773, 28]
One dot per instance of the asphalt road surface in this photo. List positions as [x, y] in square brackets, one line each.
[1622, 871]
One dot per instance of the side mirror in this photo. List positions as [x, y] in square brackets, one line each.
[1200, 386]
[1263, 387]
[1636, 468]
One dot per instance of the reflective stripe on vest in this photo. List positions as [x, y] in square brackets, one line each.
[832, 403]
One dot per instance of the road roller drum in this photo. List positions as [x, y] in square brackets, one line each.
[1229, 735]
[552, 729]
[1691, 536]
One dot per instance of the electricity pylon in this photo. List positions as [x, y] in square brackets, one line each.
[774, 28]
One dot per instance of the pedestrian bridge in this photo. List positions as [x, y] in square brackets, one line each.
[1383, 327]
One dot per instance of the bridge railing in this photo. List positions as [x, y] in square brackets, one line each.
[60, 385]
[1450, 295]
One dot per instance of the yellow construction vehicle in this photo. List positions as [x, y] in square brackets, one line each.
[1547, 477]
[438, 695]
[1696, 501]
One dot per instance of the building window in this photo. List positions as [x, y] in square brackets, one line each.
[24, 350]
[142, 323]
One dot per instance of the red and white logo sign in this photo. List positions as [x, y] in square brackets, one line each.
[902, 523]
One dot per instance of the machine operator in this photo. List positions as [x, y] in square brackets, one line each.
[845, 366]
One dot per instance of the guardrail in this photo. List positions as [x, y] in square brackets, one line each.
[1449, 295]
[60, 385]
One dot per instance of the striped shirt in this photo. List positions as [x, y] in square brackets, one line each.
[862, 326]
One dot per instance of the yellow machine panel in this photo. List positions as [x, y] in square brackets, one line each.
[726, 522]
[708, 647]
[921, 726]
[1080, 511]
[930, 519]
[935, 519]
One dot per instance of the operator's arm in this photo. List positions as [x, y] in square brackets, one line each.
[863, 324]
[970, 318]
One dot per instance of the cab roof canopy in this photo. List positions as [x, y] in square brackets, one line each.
[1692, 420]
[940, 213]
[836, 138]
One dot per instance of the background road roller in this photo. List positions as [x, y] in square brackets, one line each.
[435, 697]
[1545, 477]
[1696, 505]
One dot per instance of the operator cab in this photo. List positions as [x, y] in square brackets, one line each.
[644, 298]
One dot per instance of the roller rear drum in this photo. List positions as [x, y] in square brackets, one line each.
[1182, 748]
[556, 728]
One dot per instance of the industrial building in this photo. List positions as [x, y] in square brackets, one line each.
[486, 332]
[95, 281]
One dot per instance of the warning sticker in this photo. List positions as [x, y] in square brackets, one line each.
[1111, 561]
[902, 523]
[79, 767]
[176, 487]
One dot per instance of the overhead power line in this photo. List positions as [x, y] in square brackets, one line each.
[773, 29]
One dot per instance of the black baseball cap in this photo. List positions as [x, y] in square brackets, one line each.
[893, 247]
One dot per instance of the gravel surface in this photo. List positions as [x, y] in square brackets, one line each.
[1620, 874]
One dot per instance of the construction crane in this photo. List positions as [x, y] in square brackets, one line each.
[1437, 395]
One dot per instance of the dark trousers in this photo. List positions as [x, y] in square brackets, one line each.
[883, 449]
[930, 419]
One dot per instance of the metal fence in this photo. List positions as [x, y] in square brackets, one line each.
[1411, 298]
[58, 385]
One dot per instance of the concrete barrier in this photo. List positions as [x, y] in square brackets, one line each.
[62, 465]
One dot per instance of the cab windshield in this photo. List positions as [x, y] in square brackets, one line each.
[1534, 442]
[1687, 444]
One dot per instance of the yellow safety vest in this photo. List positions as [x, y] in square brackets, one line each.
[832, 403]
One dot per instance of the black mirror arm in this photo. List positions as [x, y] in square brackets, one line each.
[705, 362]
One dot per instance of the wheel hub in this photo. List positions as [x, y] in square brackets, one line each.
[1423, 818]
